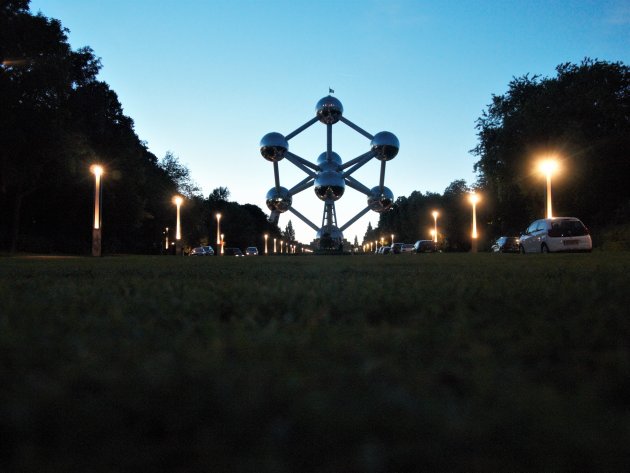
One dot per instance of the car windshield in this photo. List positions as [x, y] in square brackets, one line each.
[567, 228]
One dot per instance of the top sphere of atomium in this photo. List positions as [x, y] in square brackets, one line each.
[385, 145]
[329, 110]
[273, 146]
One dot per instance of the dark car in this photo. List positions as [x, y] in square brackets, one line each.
[424, 246]
[232, 252]
[506, 244]
[202, 251]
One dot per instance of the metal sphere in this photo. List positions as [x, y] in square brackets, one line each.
[329, 185]
[279, 199]
[333, 232]
[380, 201]
[329, 110]
[386, 145]
[334, 158]
[273, 146]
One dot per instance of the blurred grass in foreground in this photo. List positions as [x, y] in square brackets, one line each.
[471, 362]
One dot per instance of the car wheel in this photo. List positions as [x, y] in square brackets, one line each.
[544, 248]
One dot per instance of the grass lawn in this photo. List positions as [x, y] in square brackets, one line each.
[397, 363]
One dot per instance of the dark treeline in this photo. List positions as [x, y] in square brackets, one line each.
[56, 119]
[581, 117]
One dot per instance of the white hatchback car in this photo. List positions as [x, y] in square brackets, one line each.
[556, 234]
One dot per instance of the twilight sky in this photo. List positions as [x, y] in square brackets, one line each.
[207, 79]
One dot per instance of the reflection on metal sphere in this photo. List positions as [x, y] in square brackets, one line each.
[329, 185]
[333, 232]
[329, 110]
[334, 157]
[273, 146]
[279, 199]
[385, 145]
[380, 201]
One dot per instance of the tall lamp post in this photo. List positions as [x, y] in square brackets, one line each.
[474, 198]
[266, 238]
[177, 200]
[216, 253]
[548, 166]
[435, 232]
[97, 170]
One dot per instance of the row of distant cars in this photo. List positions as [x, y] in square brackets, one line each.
[209, 251]
[548, 235]
[421, 246]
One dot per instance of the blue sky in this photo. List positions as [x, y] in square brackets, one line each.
[207, 79]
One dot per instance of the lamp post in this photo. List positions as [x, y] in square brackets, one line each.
[97, 170]
[266, 238]
[274, 246]
[222, 243]
[392, 239]
[166, 239]
[435, 232]
[177, 200]
[548, 166]
[281, 242]
[218, 216]
[474, 198]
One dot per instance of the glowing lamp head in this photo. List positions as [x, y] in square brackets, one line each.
[96, 169]
[435, 214]
[177, 200]
[474, 198]
[548, 166]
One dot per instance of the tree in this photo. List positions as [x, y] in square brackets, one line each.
[180, 174]
[219, 194]
[56, 120]
[581, 116]
[289, 232]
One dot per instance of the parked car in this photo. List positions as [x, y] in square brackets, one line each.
[232, 252]
[396, 248]
[407, 248]
[506, 244]
[556, 234]
[386, 250]
[251, 251]
[424, 246]
[202, 251]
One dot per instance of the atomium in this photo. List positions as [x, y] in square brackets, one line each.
[329, 175]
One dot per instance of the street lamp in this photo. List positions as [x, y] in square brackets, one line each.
[435, 232]
[266, 238]
[474, 198]
[97, 170]
[392, 239]
[218, 215]
[177, 200]
[548, 166]
[274, 246]
[281, 242]
[222, 243]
